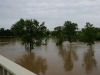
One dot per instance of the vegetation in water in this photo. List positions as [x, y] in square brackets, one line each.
[32, 33]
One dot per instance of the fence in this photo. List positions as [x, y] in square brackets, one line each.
[8, 67]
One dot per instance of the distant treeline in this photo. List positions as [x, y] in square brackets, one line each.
[70, 32]
[30, 29]
[59, 29]
[6, 33]
[55, 32]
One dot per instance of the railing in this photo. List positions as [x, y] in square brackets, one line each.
[8, 67]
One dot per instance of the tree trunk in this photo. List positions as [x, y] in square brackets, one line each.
[30, 46]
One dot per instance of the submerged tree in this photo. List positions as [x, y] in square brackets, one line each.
[97, 33]
[66, 32]
[70, 30]
[89, 34]
[30, 32]
[59, 34]
[18, 28]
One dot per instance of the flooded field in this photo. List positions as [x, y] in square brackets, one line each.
[50, 59]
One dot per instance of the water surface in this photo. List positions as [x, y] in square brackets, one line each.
[50, 59]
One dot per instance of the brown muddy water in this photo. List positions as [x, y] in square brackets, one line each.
[50, 59]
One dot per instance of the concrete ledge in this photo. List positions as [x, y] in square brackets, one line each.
[13, 68]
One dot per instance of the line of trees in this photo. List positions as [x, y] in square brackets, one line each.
[6, 32]
[70, 32]
[32, 33]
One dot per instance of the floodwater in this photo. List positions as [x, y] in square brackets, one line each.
[50, 59]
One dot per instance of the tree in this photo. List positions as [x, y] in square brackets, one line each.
[2, 32]
[89, 34]
[59, 34]
[8, 33]
[70, 31]
[97, 33]
[18, 28]
[30, 32]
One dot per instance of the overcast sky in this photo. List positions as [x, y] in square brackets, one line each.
[52, 12]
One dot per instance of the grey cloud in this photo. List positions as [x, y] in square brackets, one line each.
[53, 12]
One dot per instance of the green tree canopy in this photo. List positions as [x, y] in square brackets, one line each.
[30, 31]
[59, 34]
[70, 31]
[89, 34]
[5, 32]
[67, 32]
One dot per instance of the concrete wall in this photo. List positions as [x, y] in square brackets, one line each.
[8, 67]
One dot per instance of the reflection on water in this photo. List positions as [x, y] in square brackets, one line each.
[69, 56]
[89, 61]
[54, 60]
[33, 63]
